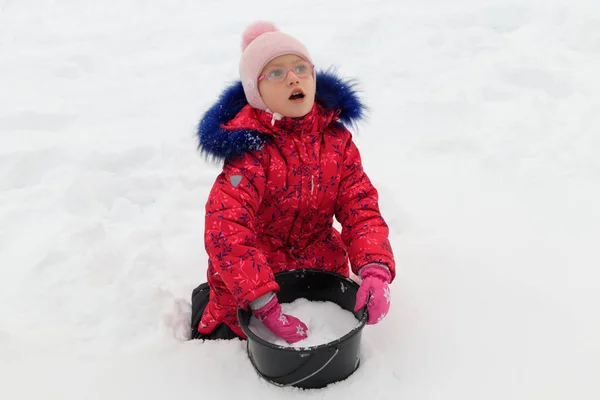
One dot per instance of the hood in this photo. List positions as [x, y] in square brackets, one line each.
[332, 93]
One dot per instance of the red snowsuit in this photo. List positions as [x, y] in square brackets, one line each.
[271, 209]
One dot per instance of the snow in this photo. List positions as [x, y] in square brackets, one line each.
[482, 140]
[326, 322]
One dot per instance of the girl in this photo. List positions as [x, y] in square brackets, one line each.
[289, 167]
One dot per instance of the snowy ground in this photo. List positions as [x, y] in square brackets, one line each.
[483, 140]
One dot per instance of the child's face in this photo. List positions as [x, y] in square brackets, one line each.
[292, 95]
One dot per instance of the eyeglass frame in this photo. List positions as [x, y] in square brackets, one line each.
[287, 71]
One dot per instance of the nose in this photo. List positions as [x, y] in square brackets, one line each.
[292, 78]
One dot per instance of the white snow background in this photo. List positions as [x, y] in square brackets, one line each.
[483, 139]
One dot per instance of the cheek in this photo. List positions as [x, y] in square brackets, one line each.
[270, 94]
[312, 89]
[312, 95]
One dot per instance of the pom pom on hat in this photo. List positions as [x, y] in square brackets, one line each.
[262, 42]
[255, 30]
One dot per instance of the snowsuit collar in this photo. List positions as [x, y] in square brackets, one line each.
[273, 124]
[231, 127]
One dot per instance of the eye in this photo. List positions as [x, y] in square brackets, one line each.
[275, 73]
[301, 68]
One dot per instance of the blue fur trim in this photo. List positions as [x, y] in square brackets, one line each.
[335, 93]
[219, 144]
[332, 93]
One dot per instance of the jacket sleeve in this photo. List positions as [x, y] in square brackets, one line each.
[230, 236]
[364, 231]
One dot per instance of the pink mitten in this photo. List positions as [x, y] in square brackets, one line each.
[289, 328]
[375, 279]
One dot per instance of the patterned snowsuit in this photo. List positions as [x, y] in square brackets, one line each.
[271, 209]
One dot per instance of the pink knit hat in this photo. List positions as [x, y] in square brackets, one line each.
[262, 42]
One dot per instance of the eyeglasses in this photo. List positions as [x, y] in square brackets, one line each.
[302, 69]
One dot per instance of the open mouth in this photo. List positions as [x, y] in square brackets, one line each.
[297, 95]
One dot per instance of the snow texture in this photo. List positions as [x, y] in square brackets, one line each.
[326, 322]
[482, 137]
